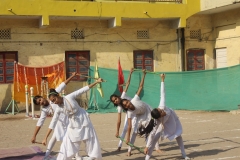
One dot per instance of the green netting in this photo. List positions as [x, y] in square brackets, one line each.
[209, 90]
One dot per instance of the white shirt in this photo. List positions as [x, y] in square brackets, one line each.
[49, 110]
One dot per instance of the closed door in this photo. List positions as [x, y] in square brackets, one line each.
[221, 57]
[195, 59]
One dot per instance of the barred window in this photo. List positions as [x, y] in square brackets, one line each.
[195, 34]
[5, 33]
[77, 34]
[7, 66]
[143, 60]
[143, 34]
[77, 61]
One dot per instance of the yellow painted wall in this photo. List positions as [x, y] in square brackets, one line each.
[227, 34]
[47, 46]
[41, 32]
[203, 22]
[221, 30]
[113, 9]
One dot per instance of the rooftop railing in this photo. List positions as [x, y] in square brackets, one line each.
[169, 1]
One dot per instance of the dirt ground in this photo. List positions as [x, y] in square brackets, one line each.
[206, 135]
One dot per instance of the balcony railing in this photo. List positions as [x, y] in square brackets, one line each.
[173, 1]
[169, 1]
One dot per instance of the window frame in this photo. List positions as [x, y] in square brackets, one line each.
[5, 67]
[86, 55]
[143, 52]
[195, 58]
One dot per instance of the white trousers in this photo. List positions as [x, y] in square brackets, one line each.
[155, 139]
[68, 148]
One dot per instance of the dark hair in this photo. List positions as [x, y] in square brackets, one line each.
[114, 95]
[155, 113]
[146, 130]
[121, 103]
[36, 98]
[52, 91]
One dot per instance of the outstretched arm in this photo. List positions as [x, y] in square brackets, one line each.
[62, 86]
[129, 79]
[142, 83]
[129, 130]
[84, 89]
[162, 95]
[99, 80]
[39, 125]
[69, 79]
[118, 124]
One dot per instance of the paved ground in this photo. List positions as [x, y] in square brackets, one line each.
[206, 135]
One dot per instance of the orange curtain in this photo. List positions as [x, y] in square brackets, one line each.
[32, 76]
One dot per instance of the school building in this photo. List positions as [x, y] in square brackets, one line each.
[158, 35]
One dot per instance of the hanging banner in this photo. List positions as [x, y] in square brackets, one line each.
[40, 78]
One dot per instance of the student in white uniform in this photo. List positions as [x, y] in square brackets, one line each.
[136, 109]
[115, 99]
[80, 128]
[48, 110]
[164, 121]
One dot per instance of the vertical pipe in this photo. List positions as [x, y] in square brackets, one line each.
[183, 48]
[31, 91]
[26, 93]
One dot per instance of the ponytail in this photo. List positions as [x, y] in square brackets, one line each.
[146, 130]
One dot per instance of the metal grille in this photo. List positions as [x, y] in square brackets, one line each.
[5, 33]
[195, 34]
[143, 34]
[77, 34]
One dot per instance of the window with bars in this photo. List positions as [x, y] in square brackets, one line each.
[195, 34]
[143, 34]
[77, 61]
[143, 60]
[7, 66]
[77, 34]
[5, 33]
[195, 59]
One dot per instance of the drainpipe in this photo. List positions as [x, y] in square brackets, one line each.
[183, 48]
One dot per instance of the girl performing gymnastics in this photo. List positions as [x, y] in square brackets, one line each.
[167, 122]
[48, 110]
[116, 101]
[136, 109]
[80, 128]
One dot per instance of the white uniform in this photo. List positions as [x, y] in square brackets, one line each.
[80, 128]
[140, 116]
[62, 123]
[168, 126]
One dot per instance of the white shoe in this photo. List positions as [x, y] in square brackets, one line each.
[187, 158]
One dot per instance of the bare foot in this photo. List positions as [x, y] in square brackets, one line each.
[129, 154]
[119, 149]
[159, 151]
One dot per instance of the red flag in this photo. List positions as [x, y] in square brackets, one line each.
[120, 77]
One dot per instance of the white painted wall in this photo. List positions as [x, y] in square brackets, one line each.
[211, 4]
